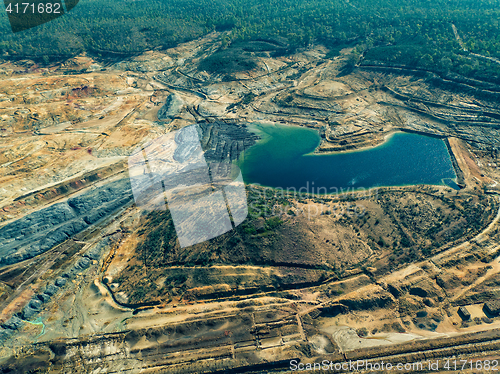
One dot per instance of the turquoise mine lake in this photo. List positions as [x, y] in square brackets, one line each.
[284, 158]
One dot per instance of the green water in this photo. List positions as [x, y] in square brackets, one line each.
[283, 159]
[38, 322]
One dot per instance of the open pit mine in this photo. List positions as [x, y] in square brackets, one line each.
[90, 282]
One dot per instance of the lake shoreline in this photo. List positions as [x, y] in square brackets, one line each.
[380, 141]
[286, 157]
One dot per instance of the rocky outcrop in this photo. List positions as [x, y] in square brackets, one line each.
[421, 287]
[224, 142]
[377, 299]
[40, 231]
[172, 108]
[448, 281]
[36, 304]
[426, 288]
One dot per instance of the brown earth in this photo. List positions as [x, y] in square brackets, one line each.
[285, 284]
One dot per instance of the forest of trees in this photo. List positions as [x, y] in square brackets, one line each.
[413, 33]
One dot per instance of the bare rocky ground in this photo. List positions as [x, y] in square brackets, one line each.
[282, 286]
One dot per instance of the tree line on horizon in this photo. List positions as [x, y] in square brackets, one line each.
[395, 32]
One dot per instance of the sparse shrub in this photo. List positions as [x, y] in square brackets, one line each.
[362, 332]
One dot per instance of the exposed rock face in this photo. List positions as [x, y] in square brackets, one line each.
[13, 323]
[60, 282]
[224, 142]
[426, 288]
[395, 290]
[448, 281]
[172, 107]
[422, 287]
[33, 307]
[377, 299]
[44, 229]
[334, 310]
[50, 291]
[36, 304]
